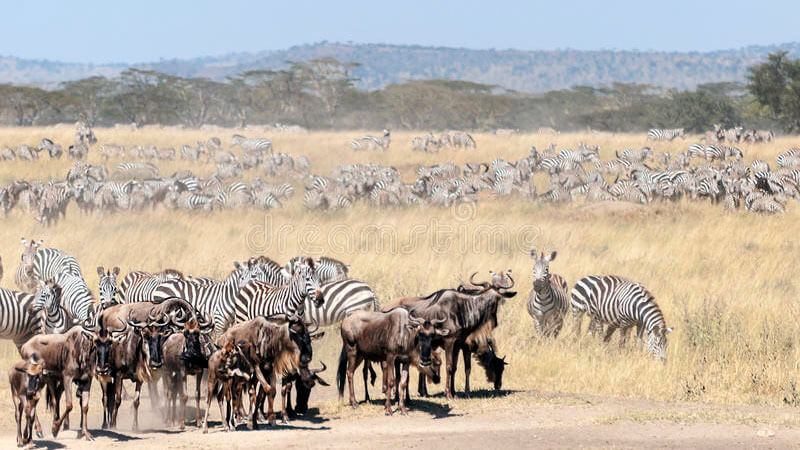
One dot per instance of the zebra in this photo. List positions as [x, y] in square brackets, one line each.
[262, 299]
[621, 303]
[23, 277]
[107, 286]
[50, 262]
[1, 268]
[548, 301]
[790, 158]
[17, 320]
[326, 270]
[48, 299]
[54, 150]
[53, 203]
[371, 142]
[75, 297]
[217, 299]
[340, 299]
[462, 139]
[138, 286]
[656, 134]
[261, 144]
[641, 154]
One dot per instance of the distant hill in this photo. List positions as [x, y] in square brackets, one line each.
[528, 71]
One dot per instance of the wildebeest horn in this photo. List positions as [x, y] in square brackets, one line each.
[135, 323]
[512, 280]
[316, 371]
[166, 319]
[178, 318]
[414, 319]
[435, 322]
[504, 360]
[482, 284]
[121, 330]
[204, 323]
[150, 316]
[316, 326]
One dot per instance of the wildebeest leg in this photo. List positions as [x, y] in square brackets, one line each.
[179, 389]
[467, 367]
[271, 399]
[30, 411]
[403, 388]
[255, 397]
[365, 370]
[67, 386]
[422, 385]
[230, 423]
[286, 391]
[152, 389]
[136, 398]
[209, 395]
[84, 392]
[198, 381]
[390, 384]
[352, 363]
[451, 382]
[223, 417]
[37, 425]
[18, 407]
[117, 400]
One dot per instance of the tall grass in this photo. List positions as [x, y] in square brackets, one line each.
[725, 281]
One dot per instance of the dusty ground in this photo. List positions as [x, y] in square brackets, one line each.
[487, 420]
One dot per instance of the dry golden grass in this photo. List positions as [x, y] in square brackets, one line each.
[725, 281]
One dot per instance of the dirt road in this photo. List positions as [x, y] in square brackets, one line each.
[510, 420]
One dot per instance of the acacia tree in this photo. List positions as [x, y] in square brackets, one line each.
[775, 84]
[87, 96]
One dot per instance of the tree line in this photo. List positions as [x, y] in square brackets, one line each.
[321, 94]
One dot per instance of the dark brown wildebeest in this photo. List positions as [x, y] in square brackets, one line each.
[72, 357]
[186, 353]
[25, 380]
[225, 366]
[304, 386]
[278, 345]
[386, 337]
[133, 358]
[471, 316]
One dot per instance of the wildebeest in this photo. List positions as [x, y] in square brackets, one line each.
[386, 337]
[224, 366]
[72, 357]
[25, 381]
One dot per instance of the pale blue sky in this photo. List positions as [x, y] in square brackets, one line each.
[145, 30]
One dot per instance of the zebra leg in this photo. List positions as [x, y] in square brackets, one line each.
[610, 332]
[577, 318]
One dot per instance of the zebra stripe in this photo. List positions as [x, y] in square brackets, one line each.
[138, 286]
[16, 319]
[548, 300]
[340, 299]
[47, 299]
[76, 297]
[655, 134]
[620, 303]
[260, 144]
[262, 299]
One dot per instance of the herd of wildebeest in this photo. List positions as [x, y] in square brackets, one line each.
[713, 170]
[254, 328]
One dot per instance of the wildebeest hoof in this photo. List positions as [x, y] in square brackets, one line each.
[40, 435]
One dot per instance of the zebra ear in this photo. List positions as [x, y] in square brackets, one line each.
[236, 265]
[552, 256]
[533, 253]
[115, 271]
[24, 242]
[100, 271]
[669, 330]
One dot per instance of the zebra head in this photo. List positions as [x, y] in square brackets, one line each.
[657, 341]
[307, 270]
[29, 253]
[108, 286]
[46, 298]
[541, 268]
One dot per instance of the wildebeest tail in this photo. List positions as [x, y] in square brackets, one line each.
[341, 372]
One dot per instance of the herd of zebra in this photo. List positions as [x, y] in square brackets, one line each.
[720, 134]
[162, 312]
[455, 139]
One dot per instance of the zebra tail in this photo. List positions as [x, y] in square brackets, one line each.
[341, 372]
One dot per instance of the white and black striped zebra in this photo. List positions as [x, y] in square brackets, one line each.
[326, 269]
[48, 300]
[340, 299]
[138, 286]
[789, 158]
[216, 299]
[657, 134]
[76, 297]
[107, 286]
[262, 299]
[621, 303]
[17, 320]
[47, 263]
[261, 144]
[371, 142]
[548, 301]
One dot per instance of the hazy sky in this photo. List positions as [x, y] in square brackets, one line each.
[144, 30]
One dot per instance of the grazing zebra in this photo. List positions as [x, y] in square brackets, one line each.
[656, 134]
[261, 299]
[790, 158]
[75, 297]
[327, 269]
[339, 299]
[17, 320]
[107, 286]
[461, 139]
[53, 203]
[215, 299]
[371, 142]
[640, 154]
[260, 144]
[48, 299]
[621, 303]
[138, 286]
[54, 150]
[548, 301]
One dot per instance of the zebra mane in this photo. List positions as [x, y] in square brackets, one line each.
[328, 259]
[173, 272]
[272, 264]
